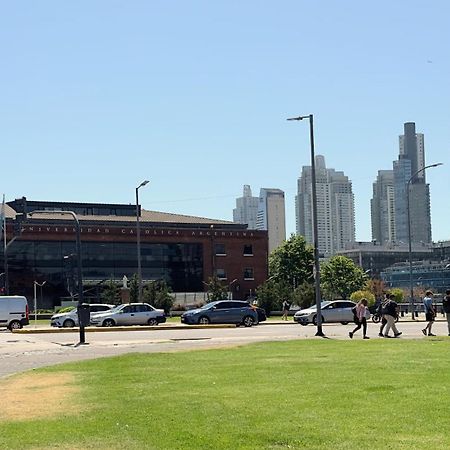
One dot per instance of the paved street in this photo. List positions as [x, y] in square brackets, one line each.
[19, 352]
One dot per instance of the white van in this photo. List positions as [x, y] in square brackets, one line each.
[13, 311]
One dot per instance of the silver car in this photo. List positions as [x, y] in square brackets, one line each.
[129, 314]
[332, 312]
[70, 319]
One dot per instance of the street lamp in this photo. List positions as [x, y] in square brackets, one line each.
[41, 285]
[138, 239]
[81, 308]
[315, 226]
[408, 184]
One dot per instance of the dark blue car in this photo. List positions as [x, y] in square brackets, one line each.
[222, 311]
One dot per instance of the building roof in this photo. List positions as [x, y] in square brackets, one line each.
[145, 217]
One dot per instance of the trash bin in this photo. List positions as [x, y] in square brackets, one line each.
[84, 315]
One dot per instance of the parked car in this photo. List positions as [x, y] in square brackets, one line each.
[129, 314]
[335, 311]
[222, 311]
[13, 312]
[70, 319]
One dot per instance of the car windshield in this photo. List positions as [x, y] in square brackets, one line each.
[209, 305]
[322, 305]
[116, 308]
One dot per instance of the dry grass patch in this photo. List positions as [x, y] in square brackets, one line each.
[38, 395]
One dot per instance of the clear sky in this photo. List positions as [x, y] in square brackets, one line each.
[96, 96]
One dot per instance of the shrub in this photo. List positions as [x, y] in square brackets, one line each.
[358, 295]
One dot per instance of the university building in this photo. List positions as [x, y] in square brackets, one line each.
[185, 251]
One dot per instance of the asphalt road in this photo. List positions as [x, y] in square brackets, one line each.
[19, 352]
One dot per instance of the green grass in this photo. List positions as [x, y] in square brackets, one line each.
[309, 394]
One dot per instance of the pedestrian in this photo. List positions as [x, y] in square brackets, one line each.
[430, 312]
[390, 313]
[446, 308]
[380, 313]
[360, 318]
[286, 307]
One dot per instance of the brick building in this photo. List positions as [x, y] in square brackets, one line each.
[182, 250]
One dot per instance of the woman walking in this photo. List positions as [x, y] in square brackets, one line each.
[360, 318]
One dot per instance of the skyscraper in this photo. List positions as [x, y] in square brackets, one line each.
[246, 209]
[271, 216]
[411, 160]
[335, 208]
[382, 207]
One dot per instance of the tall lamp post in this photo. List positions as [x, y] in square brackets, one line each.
[41, 285]
[408, 185]
[138, 239]
[314, 220]
[83, 312]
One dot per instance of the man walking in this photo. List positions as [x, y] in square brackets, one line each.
[390, 313]
[446, 308]
[430, 312]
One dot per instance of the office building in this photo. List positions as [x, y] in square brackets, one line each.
[411, 159]
[246, 210]
[271, 216]
[335, 208]
[382, 208]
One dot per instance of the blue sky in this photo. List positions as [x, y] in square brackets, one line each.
[96, 96]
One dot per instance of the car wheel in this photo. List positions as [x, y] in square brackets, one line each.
[376, 318]
[153, 322]
[315, 320]
[15, 325]
[204, 320]
[248, 321]
[303, 323]
[108, 323]
[344, 323]
[69, 323]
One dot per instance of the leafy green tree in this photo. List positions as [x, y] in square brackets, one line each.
[268, 297]
[398, 293]
[216, 289]
[134, 289]
[292, 262]
[158, 294]
[340, 277]
[304, 295]
[358, 295]
[110, 293]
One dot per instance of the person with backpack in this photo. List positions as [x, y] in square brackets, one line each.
[360, 318]
[379, 311]
[430, 312]
[446, 308]
[390, 313]
[286, 306]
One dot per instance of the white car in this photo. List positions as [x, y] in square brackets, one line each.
[332, 312]
[70, 319]
[129, 314]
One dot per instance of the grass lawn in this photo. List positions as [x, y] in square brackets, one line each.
[312, 394]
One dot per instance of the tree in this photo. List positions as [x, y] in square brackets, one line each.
[134, 289]
[292, 262]
[340, 277]
[268, 297]
[358, 295]
[398, 293]
[110, 293]
[157, 293]
[377, 287]
[304, 295]
[216, 290]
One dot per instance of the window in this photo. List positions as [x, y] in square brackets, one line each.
[219, 249]
[248, 273]
[248, 250]
[221, 274]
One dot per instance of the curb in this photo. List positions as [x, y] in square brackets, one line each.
[113, 329]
